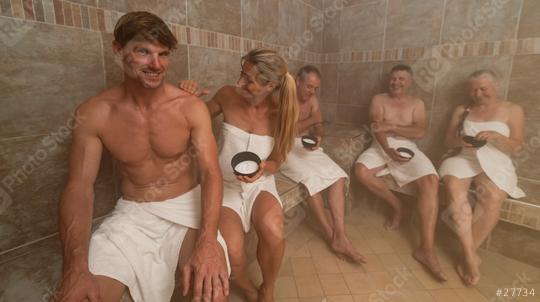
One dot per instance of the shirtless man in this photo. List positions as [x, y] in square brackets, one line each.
[316, 170]
[149, 127]
[396, 119]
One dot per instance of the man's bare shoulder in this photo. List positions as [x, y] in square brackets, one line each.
[380, 98]
[98, 107]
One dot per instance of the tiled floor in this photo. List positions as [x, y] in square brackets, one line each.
[311, 272]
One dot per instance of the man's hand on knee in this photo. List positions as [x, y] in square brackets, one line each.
[206, 272]
[77, 286]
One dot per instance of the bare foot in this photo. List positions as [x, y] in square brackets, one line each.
[469, 271]
[394, 222]
[430, 261]
[343, 246]
[265, 294]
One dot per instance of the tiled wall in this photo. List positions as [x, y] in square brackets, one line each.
[55, 54]
[444, 41]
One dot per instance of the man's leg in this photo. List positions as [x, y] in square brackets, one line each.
[428, 205]
[461, 215]
[339, 241]
[488, 208]
[316, 205]
[232, 230]
[110, 290]
[377, 187]
[267, 218]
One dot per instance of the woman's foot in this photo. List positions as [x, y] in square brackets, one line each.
[394, 222]
[469, 271]
[430, 261]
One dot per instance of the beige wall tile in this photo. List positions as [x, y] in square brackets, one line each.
[173, 11]
[215, 15]
[33, 172]
[526, 161]
[529, 23]
[522, 81]
[313, 35]
[293, 18]
[260, 20]
[34, 103]
[213, 68]
[484, 20]
[362, 27]
[329, 83]
[328, 111]
[331, 33]
[532, 189]
[358, 83]
[413, 23]
[352, 115]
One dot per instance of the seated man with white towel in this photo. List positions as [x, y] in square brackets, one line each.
[397, 118]
[315, 170]
[485, 132]
[165, 218]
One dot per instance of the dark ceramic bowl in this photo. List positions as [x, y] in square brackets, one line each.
[309, 141]
[473, 141]
[245, 163]
[405, 152]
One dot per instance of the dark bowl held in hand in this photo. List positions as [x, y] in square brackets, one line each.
[309, 141]
[245, 163]
[405, 152]
[473, 141]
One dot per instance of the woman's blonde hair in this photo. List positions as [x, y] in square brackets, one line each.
[272, 67]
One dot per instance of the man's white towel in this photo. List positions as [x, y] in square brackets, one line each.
[314, 168]
[403, 173]
[139, 244]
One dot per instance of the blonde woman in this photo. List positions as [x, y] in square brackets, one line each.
[497, 128]
[260, 115]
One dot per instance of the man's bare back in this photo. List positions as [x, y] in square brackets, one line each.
[153, 166]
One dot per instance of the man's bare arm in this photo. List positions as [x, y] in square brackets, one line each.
[76, 206]
[208, 259]
[376, 115]
[314, 122]
[418, 127]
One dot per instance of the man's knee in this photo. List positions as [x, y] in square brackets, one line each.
[490, 198]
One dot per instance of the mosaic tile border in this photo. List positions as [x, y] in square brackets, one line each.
[65, 13]
[494, 48]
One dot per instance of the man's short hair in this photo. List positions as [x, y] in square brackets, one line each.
[402, 67]
[307, 69]
[145, 26]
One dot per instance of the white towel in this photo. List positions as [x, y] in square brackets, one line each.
[403, 173]
[237, 195]
[314, 168]
[139, 244]
[488, 159]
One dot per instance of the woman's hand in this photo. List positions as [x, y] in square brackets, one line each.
[253, 178]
